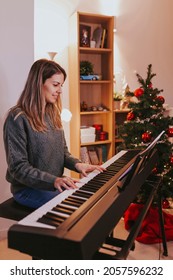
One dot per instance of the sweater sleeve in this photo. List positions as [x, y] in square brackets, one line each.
[20, 171]
[69, 160]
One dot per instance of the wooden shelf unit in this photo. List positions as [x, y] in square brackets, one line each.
[94, 93]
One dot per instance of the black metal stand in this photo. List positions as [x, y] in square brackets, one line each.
[119, 249]
[161, 219]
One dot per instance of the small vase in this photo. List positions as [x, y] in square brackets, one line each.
[117, 104]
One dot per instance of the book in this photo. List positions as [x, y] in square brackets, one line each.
[93, 157]
[104, 153]
[103, 38]
[97, 34]
[84, 156]
[99, 154]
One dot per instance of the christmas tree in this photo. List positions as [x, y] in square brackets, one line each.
[146, 119]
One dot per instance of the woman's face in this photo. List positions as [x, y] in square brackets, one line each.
[52, 88]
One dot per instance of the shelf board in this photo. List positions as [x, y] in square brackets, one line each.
[96, 143]
[94, 112]
[93, 18]
[121, 111]
[95, 82]
[94, 50]
[118, 140]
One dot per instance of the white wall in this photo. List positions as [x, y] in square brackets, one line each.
[51, 34]
[145, 35]
[16, 56]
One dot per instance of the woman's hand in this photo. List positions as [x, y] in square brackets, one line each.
[86, 168]
[67, 183]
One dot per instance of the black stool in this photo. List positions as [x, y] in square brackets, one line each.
[10, 209]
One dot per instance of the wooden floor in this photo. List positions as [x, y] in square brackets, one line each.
[9, 254]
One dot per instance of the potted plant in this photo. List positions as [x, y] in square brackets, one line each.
[117, 100]
[86, 68]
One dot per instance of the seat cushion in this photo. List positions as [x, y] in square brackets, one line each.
[10, 209]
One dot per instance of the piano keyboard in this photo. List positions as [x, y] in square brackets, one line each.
[66, 205]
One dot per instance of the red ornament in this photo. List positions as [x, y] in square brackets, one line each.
[170, 132]
[138, 92]
[130, 116]
[146, 137]
[161, 99]
[150, 85]
[165, 204]
[171, 159]
[155, 170]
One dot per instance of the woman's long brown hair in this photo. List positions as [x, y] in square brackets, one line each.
[31, 102]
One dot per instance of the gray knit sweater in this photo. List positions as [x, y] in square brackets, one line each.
[34, 159]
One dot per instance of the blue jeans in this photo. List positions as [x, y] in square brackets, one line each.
[34, 198]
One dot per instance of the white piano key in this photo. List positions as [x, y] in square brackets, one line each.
[69, 206]
[59, 214]
[79, 197]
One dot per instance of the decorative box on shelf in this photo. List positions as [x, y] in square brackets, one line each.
[87, 134]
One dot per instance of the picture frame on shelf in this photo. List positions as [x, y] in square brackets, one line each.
[85, 35]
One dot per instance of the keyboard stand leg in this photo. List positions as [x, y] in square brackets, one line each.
[161, 221]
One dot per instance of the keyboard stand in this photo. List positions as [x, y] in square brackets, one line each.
[118, 249]
[161, 220]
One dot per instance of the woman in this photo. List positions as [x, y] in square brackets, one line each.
[35, 146]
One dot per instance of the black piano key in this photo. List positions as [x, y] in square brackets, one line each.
[54, 217]
[94, 190]
[112, 171]
[102, 176]
[90, 188]
[100, 181]
[63, 210]
[73, 200]
[49, 222]
[70, 202]
[95, 184]
[81, 193]
[72, 207]
[113, 167]
[77, 199]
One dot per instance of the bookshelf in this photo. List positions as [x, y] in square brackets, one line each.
[97, 94]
